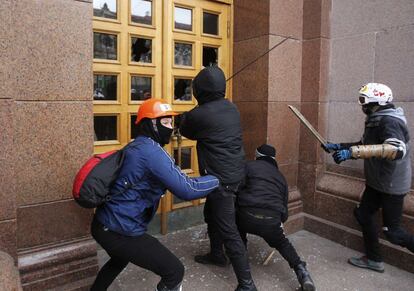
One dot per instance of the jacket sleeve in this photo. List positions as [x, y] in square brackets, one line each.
[187, 126]
[163, 168]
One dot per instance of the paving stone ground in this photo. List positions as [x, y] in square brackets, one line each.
[327, 262]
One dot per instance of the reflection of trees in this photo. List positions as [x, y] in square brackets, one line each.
[105, 46]
[183, 54]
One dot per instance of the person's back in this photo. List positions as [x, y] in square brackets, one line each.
[262, 209]
[266, 190]
[215, 124]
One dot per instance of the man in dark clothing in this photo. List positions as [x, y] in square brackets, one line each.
[385, 148]
[215, 124]
[262, 209]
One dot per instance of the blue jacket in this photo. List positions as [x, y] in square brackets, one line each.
[147, 172]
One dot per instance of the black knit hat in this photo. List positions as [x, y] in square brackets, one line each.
[265, 150]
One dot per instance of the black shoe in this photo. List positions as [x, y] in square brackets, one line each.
[246, 285]
[161, 287]
[304, 277]
[209, 259]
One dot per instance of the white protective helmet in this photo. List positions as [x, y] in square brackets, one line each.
[375, 93]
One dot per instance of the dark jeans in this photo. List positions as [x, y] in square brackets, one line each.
[220, 216]
[144, 251]
[392, 208]
[270, 229]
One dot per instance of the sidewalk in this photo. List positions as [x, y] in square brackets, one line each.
[326, 261]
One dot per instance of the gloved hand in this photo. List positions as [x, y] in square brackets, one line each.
[331, 147]
[341, 155]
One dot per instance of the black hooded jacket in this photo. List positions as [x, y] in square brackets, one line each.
[266, 190]
[215, 124]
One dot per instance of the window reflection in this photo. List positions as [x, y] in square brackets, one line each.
[183, 54]
[210, 23]
[134, 127]
[140, 88]
[185, 158]
[141, 11]
[183, 18]
[105, 9]
[104, 46]
[210, 56]
[182, 90]
[141, 50]
[104, 87]
[105, 127]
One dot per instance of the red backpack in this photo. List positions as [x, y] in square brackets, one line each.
[94, 180]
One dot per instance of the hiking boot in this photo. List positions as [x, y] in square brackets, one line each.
[304, 277]
[209, 259]
[364, 262]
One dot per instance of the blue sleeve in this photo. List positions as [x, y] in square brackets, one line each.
[163, 168]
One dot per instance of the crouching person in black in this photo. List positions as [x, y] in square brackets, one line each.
[262, 208]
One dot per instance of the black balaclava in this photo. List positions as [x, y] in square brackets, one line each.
[155, 130]
[209, 85]
[374, 107]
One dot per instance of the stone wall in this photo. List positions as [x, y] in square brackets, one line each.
[46, 123]
[367, 41]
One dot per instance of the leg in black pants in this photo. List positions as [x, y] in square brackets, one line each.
[144, 251]
[272, 232]
[222, 225]
[392, 209]
[370, 204]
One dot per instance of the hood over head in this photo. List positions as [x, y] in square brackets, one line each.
[209, 85]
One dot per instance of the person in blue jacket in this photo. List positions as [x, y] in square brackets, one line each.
[120, 225]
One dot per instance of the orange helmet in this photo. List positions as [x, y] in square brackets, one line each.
[154, 108]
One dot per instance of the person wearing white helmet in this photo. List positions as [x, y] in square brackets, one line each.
[385, 148]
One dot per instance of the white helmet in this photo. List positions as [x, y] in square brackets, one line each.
[375, 93]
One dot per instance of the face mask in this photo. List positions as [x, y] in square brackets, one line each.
[163, 132]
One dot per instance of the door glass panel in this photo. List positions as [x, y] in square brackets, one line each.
[141, 50]
[210, 23]
[183, 18]
[105, 127]
[182, 90]
[104, 87]
[105, 9]
[141, 88]
[185, 158]
[183, 54]
[104, 46]
[141, 11]
[210, 56]
[134, 127]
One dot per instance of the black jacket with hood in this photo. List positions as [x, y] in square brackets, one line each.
[266, 190]
[215, 124]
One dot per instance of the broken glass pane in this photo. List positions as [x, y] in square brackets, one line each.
[182, 90]
[141, 50]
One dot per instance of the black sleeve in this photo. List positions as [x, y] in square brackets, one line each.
[187, 126]
[393, 128]
[286, 201]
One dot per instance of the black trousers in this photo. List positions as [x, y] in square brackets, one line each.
[392, 208]
[220, 216]
[270, 229]
[144, 251]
